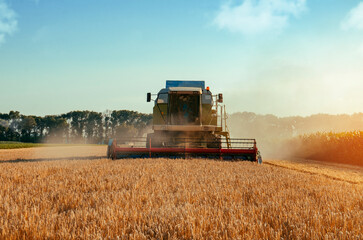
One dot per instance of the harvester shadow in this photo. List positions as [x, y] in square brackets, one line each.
[19, 160]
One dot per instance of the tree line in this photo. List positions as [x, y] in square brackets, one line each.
[74, 126]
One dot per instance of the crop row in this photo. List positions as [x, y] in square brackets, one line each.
[346, 147]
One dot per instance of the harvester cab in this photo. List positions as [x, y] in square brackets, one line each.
[188, 120]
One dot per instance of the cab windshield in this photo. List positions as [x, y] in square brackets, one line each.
[184, 109]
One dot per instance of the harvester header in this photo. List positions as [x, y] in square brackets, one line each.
[188, 121]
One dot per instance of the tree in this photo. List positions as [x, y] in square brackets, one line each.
[107, 124]
[3, 133]
[75, 126]
[40, 127]
[56, 128]
[125, 131]
[93, 124]
[4, 116]
[27, 125]
[14, 117]
[77, 122]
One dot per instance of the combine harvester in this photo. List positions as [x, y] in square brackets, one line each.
[188, 121]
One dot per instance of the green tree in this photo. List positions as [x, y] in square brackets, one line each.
[78, 121]
[93, 127]
[27, 125]
[40, 127]
[125, 131]
[56, 128]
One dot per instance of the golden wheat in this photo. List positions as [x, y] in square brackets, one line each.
[172, 199]
[345, 147]
[343, 172]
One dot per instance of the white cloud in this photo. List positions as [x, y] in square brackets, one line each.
[8, 22]
[354, 19]
[258, 16]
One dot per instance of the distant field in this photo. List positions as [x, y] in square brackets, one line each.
[74, 192]
[16, 145]
[58, 152]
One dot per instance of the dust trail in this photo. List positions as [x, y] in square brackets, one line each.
[273, 133]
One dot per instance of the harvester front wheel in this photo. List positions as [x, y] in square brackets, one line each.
[259, 157]
[111, 149]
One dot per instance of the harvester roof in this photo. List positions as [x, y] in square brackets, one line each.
[185, 89]
[178, 83]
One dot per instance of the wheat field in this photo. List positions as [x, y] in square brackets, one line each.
[343, 147]
[341, 172]
[74, 193]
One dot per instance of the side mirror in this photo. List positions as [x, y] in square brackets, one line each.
[220, 98]
[148, 97]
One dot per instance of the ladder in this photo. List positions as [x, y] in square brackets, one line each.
[225, 130]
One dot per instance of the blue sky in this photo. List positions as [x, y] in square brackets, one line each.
[284, 57]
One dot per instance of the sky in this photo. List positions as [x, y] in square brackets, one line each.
[282, 57]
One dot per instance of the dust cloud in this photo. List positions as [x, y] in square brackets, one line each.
[278, 137]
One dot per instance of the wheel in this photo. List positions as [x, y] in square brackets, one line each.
[259, 157]
[109, 148]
